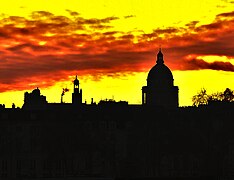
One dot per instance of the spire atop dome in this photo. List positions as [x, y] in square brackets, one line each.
[160, 57]
[160, 90]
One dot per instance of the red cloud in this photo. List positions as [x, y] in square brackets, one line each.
[195, 64]
[228, 14]
[46, 48]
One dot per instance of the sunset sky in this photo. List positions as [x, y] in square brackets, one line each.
[111, 45]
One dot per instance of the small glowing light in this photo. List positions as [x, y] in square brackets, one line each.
[60, 53]
[20, 25]
[80, 45]
[42, 43]
[48, 34]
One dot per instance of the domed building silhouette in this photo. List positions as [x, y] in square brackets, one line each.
[34, 100]
[160, 90]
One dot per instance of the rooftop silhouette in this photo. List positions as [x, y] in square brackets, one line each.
[159, 92]
[114, 140]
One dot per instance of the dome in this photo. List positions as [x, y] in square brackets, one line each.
[36, 92]
[160, 75]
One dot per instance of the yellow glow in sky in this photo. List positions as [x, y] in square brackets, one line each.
[133, 16]
[129, 88]
[147, 14]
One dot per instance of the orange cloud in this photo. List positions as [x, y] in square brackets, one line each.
[46, 48]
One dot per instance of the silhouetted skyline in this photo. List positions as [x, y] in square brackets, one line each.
[117, 90]
[110, 46]
[115, 140]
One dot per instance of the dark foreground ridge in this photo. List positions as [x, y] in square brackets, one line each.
[118, 142]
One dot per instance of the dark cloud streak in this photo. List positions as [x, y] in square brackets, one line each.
[196, 64]
[51, 47]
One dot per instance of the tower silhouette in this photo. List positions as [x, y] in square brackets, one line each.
[77, 93]
[160, 90]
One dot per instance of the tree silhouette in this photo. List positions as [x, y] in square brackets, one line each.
[228, 95]
[201, 98]
[215, 97]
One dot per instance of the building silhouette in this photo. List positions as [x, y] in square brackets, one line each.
[115, 140]
[77, 93]
[160, 90]
[34, 100]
